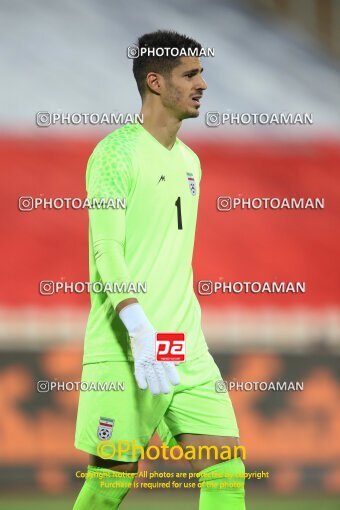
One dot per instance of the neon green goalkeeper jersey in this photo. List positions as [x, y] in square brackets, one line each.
[141, 244]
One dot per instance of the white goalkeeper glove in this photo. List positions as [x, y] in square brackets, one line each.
[149, 373]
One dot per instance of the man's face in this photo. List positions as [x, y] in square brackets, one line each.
[184, 88]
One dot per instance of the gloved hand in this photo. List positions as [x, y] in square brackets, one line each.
[149, 373]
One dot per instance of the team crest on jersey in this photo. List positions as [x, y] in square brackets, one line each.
[192, 183]
[105, 427]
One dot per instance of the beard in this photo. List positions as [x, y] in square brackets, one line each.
[174, 102]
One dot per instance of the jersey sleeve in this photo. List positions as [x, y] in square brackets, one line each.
[109, 176]
[199, 167]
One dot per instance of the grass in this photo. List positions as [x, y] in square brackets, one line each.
[148, 501]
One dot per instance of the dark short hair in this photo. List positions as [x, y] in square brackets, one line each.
[142, 65]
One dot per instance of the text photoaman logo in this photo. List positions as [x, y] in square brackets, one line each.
[46, 119]
[215, 119]
[228, 203]
[208, 287]
[170, 347]
[134, 51]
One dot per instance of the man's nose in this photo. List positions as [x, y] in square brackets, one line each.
[202, 84]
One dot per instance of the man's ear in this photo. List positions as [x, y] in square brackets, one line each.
[153, 81]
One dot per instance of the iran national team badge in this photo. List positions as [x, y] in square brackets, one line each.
[192, 183]
[105, 428]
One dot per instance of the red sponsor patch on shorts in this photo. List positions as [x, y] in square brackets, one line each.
[170, 346]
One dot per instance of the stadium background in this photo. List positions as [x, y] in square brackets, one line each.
[271, 56]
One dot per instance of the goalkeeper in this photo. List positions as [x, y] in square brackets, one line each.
[151, 241]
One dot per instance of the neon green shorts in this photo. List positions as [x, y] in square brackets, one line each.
[133, 415]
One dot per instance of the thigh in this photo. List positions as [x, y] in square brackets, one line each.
[210, 450]
[112, 424]
[197, 406]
